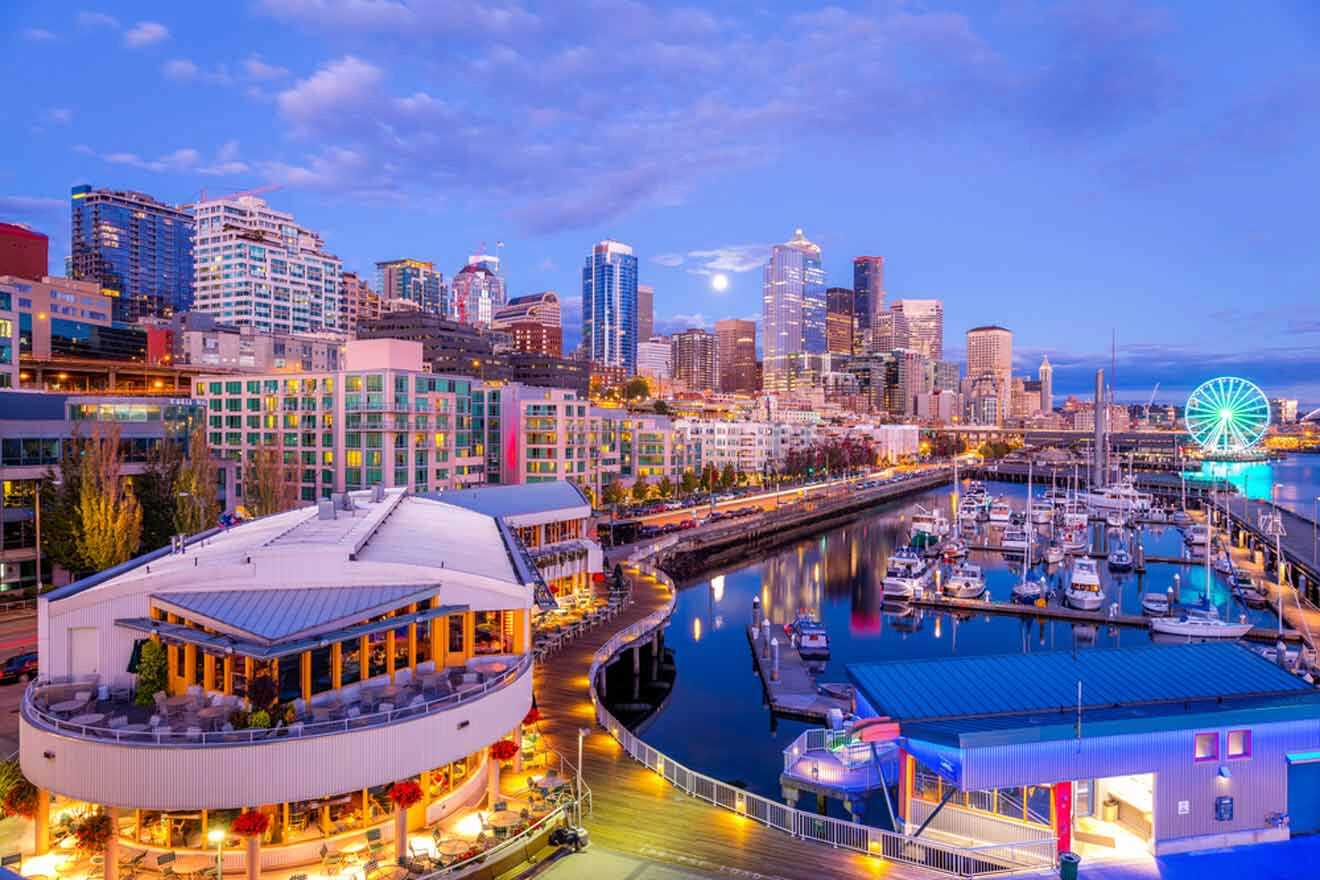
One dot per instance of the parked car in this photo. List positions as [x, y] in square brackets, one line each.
[20, 667]
[688, 524]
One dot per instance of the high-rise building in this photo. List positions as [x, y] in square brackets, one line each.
[869, 296]
[655, 358]
[139, 250]
[609, 306]
[945, 375]
[1283, 410]
[357, 302]
[645, 311]
[24, 253]
[535, 310]
[919, 326]
[793, 313]
[478, 292]
[990, 353]
[736, 356]
[1046, 376]
[840, 322]
[694, 361]
[256, 267]
[8, 344]
[910, 378]
[414, 284]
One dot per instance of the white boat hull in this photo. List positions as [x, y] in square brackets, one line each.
[1155, 605]
[1199, 629]
[960, 588]
[1084, 600]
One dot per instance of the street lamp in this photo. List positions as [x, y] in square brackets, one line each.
[217, 836]
[583, 733]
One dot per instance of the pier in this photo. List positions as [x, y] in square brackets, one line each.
[791, 690]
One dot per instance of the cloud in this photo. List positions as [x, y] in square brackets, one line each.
[729, 258]
[97, 19]
[38, 35]
[226, 162]
[179, 68]
[34, 209]
[428, 16]
[186, 70]
[316, 102]
[145, 33]
[673, 261]
[257, 69]
[679, 323]
[59, 115]
[547, 265]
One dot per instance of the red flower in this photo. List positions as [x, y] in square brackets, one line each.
[533, 715]
[405, 794]
[93, 832]
[504, 750]
[251, 823]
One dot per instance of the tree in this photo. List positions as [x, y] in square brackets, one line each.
[728, 477]
[196, 505]
[60, 525]
[710, 477]
[636, 389]
[152, 672]
[155, 489]
[689, 482]
[661, 408]
[614, 492]
[109, 516]
[665, 487]
[640, 489]
[270, 486]
[587, 491]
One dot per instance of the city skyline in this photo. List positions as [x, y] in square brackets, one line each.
[1170, 249]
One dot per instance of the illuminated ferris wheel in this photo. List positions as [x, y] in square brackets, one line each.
[1227, 416]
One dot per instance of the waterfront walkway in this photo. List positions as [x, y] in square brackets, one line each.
[638, 813]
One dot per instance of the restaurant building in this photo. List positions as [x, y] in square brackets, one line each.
[311, 660]
[1152, 750]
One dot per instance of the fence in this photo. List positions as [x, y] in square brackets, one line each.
[859, 763]
[957, 822]
[978, 861]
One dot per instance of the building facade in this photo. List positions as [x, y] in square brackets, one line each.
[257, 267]
[694, 359]
[869, 299]
[24, 253]
[1046, 376]
[990, 353]
[645, 311]
[609, 306]
[919, 326]
[541, 309]
[840, 321]
[655, 358]
[793, 314]
[736, 356]
[413, 284]
[138, 250]
[478, 293]
[199, 340]
[357, 302]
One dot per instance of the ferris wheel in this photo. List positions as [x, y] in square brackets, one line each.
[1227, 415]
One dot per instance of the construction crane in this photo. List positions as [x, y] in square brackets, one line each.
[1151, 402]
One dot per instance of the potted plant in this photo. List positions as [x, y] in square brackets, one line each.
[252, 825]
[503, 750]
[93, 832]
[403, 795]
[152, 672]
[18, 797]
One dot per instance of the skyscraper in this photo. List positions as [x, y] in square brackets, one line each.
[413, 284]
[478, 292]
[256, 267]
[736, 355]
[24, 253]
[524, 314]
[919, 326]
[840, 322]
[693, 359]
[609, 306]
[990, 356]
[1046, 376]
[139, 250]
[645, 311]
[910, 378]
[792, 312]
[357, 302]
[869, 297]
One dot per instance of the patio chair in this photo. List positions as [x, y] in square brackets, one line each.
[331, 863]
[500, 806]
[375, 846]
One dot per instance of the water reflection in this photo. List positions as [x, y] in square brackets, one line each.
[1298, 477]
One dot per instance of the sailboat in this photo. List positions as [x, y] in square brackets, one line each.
[1201, 621]
[1028, 590]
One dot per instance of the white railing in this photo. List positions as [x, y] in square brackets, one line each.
[300, 730]
[957, 821]
[983, 861]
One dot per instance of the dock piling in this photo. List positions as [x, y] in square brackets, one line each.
[774, 659]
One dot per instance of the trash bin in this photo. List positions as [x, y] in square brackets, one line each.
[1068, 862]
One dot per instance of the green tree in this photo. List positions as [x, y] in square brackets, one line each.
[665, 487]
[60, 525]
[151, 672]
[109, 515]
[728, 477]
[636, 389]
[661, 408]
[196, 502]
[587, 491]
[155, 489]
[689, 482]
[614, 492]
[710, 478]
[269, 485]
[640, 489]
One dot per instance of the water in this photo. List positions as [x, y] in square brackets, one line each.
[1298, 478]
[715, 722]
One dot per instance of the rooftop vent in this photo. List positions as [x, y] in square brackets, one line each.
[325, 509]
[377, 493]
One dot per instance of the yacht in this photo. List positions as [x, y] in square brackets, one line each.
[1001, 511]
[1157, 515]
[1042, 513]
[930, 523]
[1247, 590]
[1053, 554]
[1154, 604]
[1196, 534]
[1075, 539]
[907, 575]
[809, 636]
[1120, 559]
[1015, 540]
[966, 581]
[954, 548]
[976, 489]
[1223, 563]
[1120, 496]
[1075, 517]
[1199, 622]
[1084, 587]
[1180, 518]
[1116, 519]
[1029, 589]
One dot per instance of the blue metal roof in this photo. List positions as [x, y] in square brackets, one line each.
[278, 615]
[964, 687]
[515, 500]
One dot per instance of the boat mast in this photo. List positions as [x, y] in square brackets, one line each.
[1031, 526]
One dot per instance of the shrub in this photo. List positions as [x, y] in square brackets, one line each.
[152, 673]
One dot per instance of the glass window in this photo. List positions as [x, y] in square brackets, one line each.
[1207, 747]
[290, 678]
[1239, 743]
[376, 649]
[456, 633]
[351, 661]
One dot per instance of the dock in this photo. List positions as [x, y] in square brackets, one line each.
[795, 693]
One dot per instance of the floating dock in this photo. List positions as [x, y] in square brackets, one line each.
[795, 693]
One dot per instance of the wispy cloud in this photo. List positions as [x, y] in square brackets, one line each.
[186, 70]
[145, 33]
[59, 115]
[38, 35]
[97, 19]
[257, 69]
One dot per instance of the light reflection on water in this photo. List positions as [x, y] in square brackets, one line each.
[1298, 477]
[715, 721]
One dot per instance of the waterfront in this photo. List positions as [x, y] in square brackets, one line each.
[1297, 475]
[714, 719]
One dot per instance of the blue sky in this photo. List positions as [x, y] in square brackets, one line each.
[1063, 169]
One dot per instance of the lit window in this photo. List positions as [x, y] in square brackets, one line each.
[1207, 747]
[1239, 744]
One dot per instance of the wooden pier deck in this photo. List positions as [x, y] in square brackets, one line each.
[797, 693]
[638, 813]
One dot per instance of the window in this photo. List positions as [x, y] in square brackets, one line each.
[1207, 747]
[1239, 744]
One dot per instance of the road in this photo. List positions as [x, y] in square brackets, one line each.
[18, 633]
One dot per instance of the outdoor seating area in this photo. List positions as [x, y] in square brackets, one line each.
[95, 707]
[554, 629]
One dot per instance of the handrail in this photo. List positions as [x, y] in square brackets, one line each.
[248, 736]
[1003, 858]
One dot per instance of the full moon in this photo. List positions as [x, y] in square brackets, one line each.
[719, 282]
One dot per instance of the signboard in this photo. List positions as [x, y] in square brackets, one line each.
[1224, 808]
[945, 762]
[1184, 808]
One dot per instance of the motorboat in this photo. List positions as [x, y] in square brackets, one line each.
[1199, 622]
[1180, 518]
[1196, 534]
[907, 575]
[967, 524]
[929, 522]
[1247, 590]
[954, 548]
[1029, 589]
[1116, 519]
[966, 581]
[1154, 604]
[1053, 554]
[1223, 563]
[1120, 559]
[1157, 515]
[1120, 496]
[809, 636]
[1075, 539]
[1001, 512]
[1015, 540]
[1075, 517]
[1083, 589]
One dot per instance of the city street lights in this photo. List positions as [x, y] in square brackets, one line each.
[217, 836]
[583, 733]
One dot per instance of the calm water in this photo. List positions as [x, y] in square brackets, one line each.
[1298, 477]
[715, 722]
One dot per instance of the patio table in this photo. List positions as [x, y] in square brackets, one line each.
[193, 864]
[66, 706]
[504, 819]
[354, 850]
[88, 718]
[454, 847]
[178, 701]
[213, 713]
